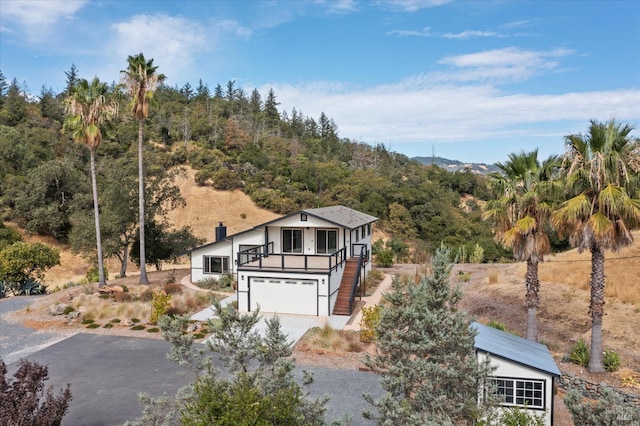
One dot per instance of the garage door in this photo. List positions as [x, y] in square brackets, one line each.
[284, 296]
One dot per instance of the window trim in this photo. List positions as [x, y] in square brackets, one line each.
[518, 385]
[207, 265]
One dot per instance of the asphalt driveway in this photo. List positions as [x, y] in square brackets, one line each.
[107, 373]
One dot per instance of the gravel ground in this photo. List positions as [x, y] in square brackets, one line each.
[18, 341]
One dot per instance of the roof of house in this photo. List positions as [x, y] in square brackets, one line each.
[515, 348]
[343, 216]
[338, 215]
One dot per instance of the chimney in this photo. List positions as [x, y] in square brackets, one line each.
[221, 232]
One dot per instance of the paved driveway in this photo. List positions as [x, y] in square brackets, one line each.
[106, 374]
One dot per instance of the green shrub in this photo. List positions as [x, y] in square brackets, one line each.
[226, 283]
[369, 322]
[611, 360]
[108, 325]
[609, 409]
[138, 327]
[125, 288]
[384, 258]
[580, 353]
[87, 321]
[135, 320]
[68, 310]
[93, 274]
[159, 305]
[93, 325]
[513, 416]
[153, 330]
[497, 325]
[116, 321]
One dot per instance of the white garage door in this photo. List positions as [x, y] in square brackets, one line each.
[284, 296]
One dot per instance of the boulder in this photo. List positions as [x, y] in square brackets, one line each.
[57, 309]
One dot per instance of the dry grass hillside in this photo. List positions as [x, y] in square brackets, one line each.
[207, 207]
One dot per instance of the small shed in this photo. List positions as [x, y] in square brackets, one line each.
[525, 370]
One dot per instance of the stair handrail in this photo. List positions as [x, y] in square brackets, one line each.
[356, 278]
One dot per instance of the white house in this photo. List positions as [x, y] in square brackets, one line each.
[525, 370]
[309, 262]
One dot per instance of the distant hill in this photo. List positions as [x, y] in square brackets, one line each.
[458, 166]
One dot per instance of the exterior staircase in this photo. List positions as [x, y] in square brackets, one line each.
[344, 293]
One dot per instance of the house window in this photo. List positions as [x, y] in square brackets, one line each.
[303, 217]
[520, 392]
[216, 264]
[368, 229]
[326, 241]
[363, 231]
[357, 235]
[292, 240]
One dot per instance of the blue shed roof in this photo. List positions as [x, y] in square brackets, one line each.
[514, 348]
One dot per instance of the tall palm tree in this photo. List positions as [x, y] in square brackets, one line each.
[521, 214]
[604, 207]
[87, 108]
[141, 80]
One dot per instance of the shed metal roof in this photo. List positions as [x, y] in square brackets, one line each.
[515, 348]
[343, 216]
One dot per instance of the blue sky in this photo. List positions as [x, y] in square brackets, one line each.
[467, 80]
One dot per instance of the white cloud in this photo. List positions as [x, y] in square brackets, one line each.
[426, 32]
[176, 40]
[471, 34]
[412, 5]
[508, 64]
[38, 17]
[408, 112]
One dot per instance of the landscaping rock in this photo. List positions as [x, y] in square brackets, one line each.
[58, 309]
[73, 315]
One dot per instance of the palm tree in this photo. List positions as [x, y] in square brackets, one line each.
[87, 108]
[604, 207]
[141, 80]
[521, 213]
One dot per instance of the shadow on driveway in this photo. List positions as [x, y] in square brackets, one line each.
[107, 373]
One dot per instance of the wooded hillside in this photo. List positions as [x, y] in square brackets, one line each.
[236, 141]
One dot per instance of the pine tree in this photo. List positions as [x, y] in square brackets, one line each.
[426, 354]
[72, 79]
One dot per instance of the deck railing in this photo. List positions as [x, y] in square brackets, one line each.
[262, 257]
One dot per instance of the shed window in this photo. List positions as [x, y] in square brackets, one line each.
[521, 392]
[216, 264]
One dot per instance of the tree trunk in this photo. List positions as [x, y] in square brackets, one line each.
[123, 261]
[143, 265]
[532, 300]
[596, 308]
[96, 215]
